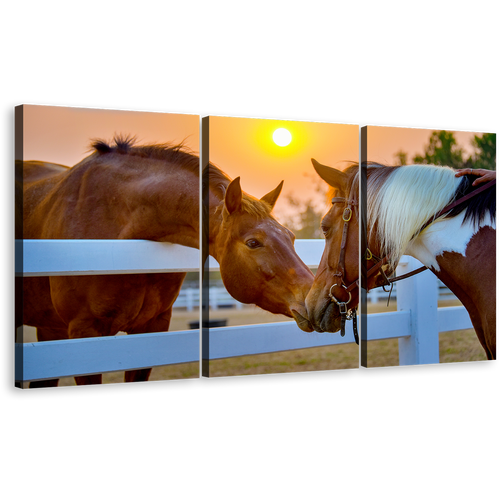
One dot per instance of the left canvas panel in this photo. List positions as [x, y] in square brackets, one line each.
[107, 238]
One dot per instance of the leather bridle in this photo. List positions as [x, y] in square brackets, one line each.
[350, 205]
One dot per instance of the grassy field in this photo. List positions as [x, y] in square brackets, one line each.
[453, 346]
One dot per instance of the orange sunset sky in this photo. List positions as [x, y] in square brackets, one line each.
[239, 146]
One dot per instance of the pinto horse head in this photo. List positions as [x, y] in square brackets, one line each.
[257, 259]
[338, 268]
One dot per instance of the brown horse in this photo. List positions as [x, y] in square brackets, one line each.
[124, 191]
[459, 246]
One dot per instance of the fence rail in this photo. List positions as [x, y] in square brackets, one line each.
[416, 323]
[88, 257]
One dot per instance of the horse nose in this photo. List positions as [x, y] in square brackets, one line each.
[304, 278]
[314, 308]
[302, 323]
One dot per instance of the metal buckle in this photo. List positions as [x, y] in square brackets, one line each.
[348, 211]
[343, 308]
[368, 253]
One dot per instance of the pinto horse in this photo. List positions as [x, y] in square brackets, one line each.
[403, 217]
[124, 191]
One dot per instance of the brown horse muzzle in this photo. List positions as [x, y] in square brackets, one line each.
[302, 323]
[323, 313]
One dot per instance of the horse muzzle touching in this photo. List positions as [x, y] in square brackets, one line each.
[330, 320]
[302, 282]
[323, 318]
[327, 304]
[297, 306]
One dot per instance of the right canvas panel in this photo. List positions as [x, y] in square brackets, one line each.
[429, 212]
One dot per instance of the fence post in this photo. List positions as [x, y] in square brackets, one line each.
[419, 295]
[189, 299]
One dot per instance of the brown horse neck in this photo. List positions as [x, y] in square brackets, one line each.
[165, 211]
[472, 277]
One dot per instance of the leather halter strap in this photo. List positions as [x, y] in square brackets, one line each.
[346, 217]
[345, 314]
[458, 202]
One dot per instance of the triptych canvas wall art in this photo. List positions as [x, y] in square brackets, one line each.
[273, 235]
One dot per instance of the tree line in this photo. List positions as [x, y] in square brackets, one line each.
[443, 150]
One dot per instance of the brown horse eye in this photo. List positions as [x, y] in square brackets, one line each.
[253, 244]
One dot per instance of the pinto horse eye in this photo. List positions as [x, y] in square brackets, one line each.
[253, 244]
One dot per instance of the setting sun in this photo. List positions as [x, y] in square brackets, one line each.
[282, 137]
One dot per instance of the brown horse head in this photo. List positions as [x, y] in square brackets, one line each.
[338, 268]
[257, 259]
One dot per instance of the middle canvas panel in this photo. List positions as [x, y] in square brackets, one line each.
[280, 240]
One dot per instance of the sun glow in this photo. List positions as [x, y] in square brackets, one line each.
[282, 137]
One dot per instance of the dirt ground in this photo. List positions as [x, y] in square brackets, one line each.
[454, 347]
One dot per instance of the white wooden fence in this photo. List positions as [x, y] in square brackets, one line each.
[417, 322]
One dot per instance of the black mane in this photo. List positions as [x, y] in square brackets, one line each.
[177, 154]
[478, 206]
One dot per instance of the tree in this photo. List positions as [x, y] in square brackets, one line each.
[401, 158]
[484, 155]
[305, 217]
[442, 150]
[305, 223]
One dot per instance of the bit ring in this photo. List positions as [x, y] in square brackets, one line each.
[330, 294]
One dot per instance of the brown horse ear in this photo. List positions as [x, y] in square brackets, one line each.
[232, 199]
[272, 197]
[333, 177]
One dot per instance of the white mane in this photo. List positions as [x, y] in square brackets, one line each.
[401, 202]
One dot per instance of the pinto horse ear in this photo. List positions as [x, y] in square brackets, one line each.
[232, 199]
[333, 177]
[272, 197]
